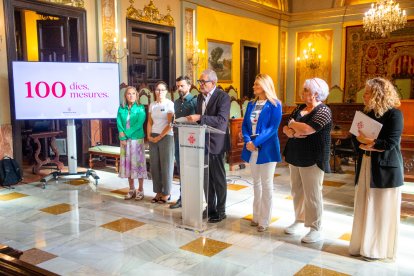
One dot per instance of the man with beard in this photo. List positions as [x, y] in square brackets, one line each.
[185, 105]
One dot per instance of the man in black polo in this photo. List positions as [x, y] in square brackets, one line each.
[185, 105]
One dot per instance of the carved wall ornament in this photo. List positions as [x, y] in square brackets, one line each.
[73, 3]
[150, 13]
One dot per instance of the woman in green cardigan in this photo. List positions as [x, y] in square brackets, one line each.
[130, 123]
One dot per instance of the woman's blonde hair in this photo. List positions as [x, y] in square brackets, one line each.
[266, 82]
[383, 96]
[124, 100]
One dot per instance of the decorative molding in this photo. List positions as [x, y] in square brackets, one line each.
[73, 3]
[150, 13]
[189, 36]
[108, 28]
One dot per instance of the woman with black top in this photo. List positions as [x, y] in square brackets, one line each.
[307, 152]
[379, 176]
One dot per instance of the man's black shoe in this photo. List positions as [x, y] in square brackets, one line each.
[217, 218]
[176, 205]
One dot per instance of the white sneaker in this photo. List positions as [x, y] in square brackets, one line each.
[293, 228]
[312, 236]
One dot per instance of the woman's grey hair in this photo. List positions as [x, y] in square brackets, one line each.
[317, 86]
[211, 75]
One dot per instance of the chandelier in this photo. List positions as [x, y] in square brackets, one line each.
[311, 58]
[196, 56]
[384, 17]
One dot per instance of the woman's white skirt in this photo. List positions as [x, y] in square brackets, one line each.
[376, 218]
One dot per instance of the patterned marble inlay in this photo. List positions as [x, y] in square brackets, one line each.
[235, 187]
[122, 225]
[122, 191]
[345, 237]
[333, 183]
[316, 270]
[249, 217]
[77, 182]
[277, 174]
[205, 246]
[57, 209]
[35, 256]
[11, 196]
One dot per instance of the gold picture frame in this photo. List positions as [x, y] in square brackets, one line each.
[220, 59]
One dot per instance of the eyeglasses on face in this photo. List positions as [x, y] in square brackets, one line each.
[160, 90]
[203, 82]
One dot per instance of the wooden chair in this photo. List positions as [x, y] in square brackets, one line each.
[194, 91]
[175, 95]
[145, 96]
[336, 95]
[235, 109]
[122, 88]
[244, 103]
[232, 92]
[359, 96]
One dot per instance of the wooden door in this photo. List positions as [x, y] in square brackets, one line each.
[53, 40]
[152, 54]
[149, 56]
[250, 67]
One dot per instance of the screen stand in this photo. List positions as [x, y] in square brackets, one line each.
[72, 161]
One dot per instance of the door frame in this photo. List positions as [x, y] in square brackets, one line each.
[160, 29]
[251, 44]
[10, 6]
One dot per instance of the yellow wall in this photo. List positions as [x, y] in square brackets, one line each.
[30, 18]
[216, 25]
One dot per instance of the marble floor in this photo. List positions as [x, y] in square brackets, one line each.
[75, 228]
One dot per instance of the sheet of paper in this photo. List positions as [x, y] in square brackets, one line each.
[366, 125]
[183, 120]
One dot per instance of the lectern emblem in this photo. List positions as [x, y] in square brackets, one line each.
[191, 139]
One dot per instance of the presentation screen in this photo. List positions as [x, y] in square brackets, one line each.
[65, 90]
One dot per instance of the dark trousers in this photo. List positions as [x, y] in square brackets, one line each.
[215, 178]
[177, 159]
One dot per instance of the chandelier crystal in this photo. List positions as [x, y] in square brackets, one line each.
[310, 58]
[384, 17]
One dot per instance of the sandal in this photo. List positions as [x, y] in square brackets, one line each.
[161, 200]
[261, 228]
[130, 194]
[154, 200]
[139, 195]
[253, 223]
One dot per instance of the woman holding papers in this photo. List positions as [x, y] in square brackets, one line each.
[379, 176]
[130, 122]
[161, 142]
[262, 148]
[307, 151]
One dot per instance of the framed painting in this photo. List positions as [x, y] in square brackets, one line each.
[220, 59]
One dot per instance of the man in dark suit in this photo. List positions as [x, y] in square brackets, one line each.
[213, 109]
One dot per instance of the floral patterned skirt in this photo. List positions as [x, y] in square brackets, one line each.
[132, 160]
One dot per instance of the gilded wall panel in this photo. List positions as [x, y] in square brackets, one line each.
[322, 43]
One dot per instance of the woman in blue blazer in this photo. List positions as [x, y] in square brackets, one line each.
[261, 146]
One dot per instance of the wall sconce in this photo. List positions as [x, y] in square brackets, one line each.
[114, 53]
[311, 58]
[196, 56]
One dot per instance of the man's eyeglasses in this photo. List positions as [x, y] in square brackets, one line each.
[203, 82]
